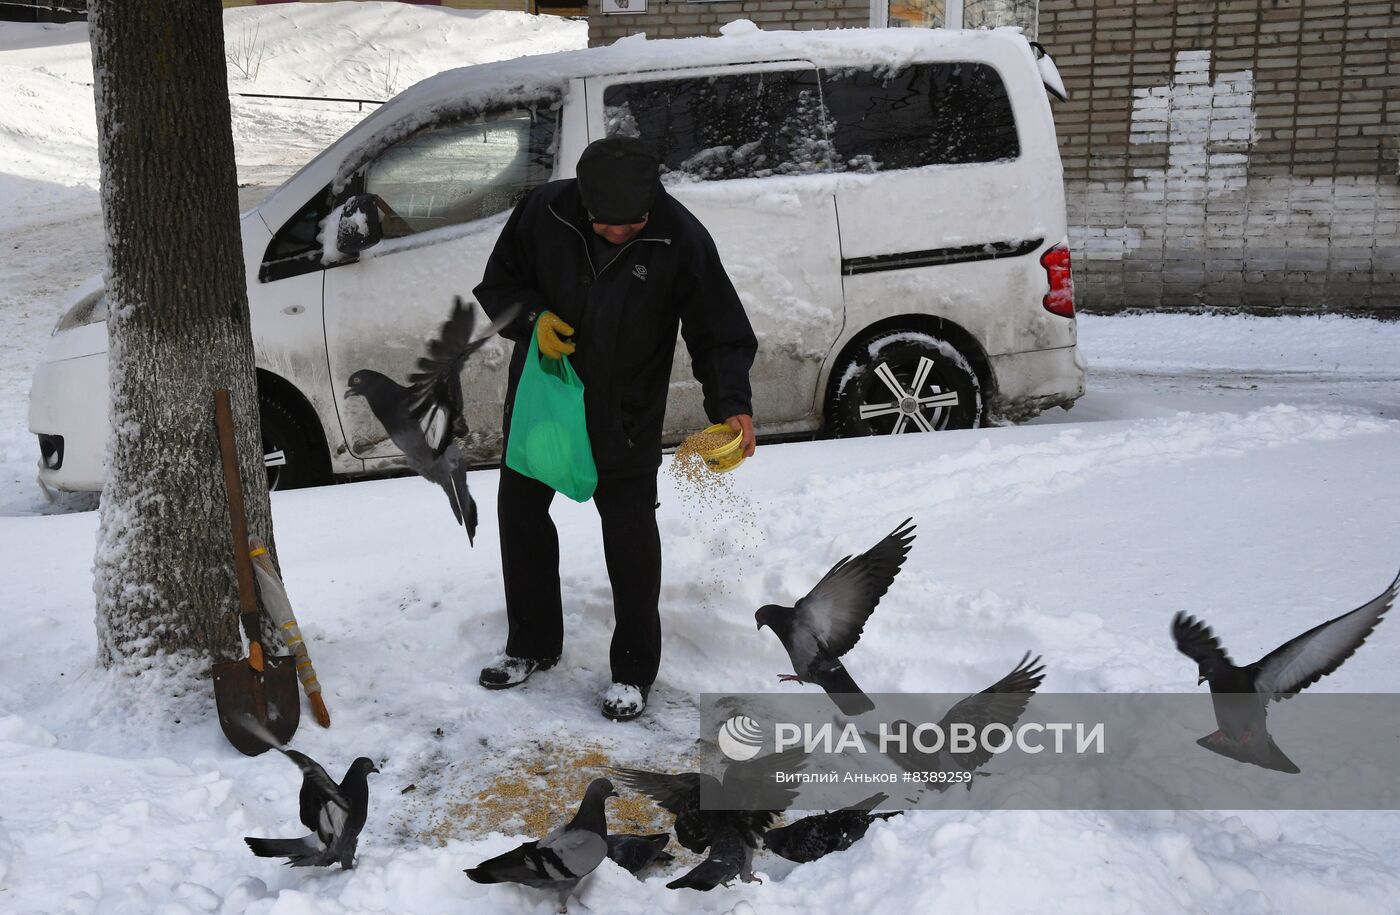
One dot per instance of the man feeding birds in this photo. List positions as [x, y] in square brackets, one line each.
[606, 268]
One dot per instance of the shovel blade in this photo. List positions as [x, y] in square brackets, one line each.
[270, 697]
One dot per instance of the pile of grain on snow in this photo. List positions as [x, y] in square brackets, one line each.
[538, 792]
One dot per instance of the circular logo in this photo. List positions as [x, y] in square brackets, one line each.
[740, 738]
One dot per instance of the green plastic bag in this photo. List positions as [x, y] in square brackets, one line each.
[548, 429]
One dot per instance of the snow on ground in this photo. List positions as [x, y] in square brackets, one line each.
[1243, 469]
[1078, 542]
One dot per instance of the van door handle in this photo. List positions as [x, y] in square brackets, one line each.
[293, 309]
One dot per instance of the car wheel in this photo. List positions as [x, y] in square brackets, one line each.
[294, 456]
[905, 381]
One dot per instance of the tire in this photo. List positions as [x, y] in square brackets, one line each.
[303, 459]
[864, 401]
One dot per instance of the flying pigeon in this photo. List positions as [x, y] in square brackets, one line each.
[729, 835]
[425, 419]
[1241, 695]
[828, 621]
[335, 814]
[819, 835]
[1001, 703]
[562, 858]
[637, 852]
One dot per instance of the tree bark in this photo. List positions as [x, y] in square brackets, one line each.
[178, 328]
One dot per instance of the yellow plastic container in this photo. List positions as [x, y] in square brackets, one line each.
[726, 456]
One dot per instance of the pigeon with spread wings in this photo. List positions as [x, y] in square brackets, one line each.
[426, 419]
[828, 622]
[1241, 694]
[749, 790]
[1002, 703]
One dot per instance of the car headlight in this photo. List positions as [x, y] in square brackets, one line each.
[90, 309]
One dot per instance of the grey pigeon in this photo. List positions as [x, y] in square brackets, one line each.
[753, 798]
[637, 852]
[817, 836]
[335, 813]
[562, 858]
[828, 622]
[1001, 703]
[1241, 695]
[426, 420]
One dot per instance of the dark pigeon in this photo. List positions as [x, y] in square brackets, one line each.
[728, 835]
[426, 419]
[819, 835]
[1001, 703]
[638, 852]
[1241, 695]
[335, 813]
[562, 858]
[829, 620]
[731, 855]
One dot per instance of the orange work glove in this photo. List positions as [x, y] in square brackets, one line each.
[549, 331]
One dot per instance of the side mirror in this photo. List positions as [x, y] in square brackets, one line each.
[358, 226]
[1049, 73]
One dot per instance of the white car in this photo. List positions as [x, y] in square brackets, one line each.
[889, 204]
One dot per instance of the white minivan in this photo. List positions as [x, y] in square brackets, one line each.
[888, 203]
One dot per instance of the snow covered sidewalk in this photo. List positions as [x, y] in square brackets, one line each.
[1077, 542]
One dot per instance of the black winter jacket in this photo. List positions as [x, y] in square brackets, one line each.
[625, 315]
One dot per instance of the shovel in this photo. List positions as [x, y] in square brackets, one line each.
[279, 609]
[258, 685]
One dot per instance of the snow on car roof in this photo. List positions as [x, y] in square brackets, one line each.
[466, 90]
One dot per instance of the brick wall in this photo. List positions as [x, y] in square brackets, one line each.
[1234, 154]
[1239, 154]
[680, 18]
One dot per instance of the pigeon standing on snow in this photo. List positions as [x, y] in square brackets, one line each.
[637, 852]
[1001, 703]
[1241, 695]
[828, 622]
[819, 835]
[730, 836]
[562, 858]
[425, 419]
[335, 813]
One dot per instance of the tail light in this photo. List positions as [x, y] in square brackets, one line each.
[1060, 299]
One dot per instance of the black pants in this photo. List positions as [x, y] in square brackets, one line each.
[631, 547]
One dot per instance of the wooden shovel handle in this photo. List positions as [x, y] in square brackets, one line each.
[238, 521]
[318, 707]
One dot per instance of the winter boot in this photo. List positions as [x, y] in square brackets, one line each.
[623, 702]
[507, 671]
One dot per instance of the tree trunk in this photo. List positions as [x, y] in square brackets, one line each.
[177, 330]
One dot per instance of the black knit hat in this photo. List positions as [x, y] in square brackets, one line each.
[618, 178]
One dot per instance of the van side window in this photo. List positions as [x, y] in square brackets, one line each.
[455, 173]
[925, 114]
[712, 128]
